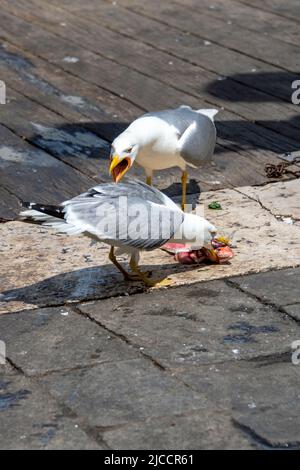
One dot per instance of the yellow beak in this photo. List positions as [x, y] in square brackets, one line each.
[114, 161]
[118, 167]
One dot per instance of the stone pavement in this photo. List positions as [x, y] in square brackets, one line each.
[206, 365]
[41, 268]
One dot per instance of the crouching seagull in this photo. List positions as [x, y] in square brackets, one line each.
[130, 217]
[179, 137]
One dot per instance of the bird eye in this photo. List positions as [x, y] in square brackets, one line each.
[129, 150]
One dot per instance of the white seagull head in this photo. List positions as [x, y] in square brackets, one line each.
[195, 231]
[124, 150]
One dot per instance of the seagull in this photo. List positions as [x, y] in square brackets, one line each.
[130, 217]
[180, 137]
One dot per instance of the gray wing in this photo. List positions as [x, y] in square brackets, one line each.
[196, 132]
[132, 188]
[197, 144]
[132, 214]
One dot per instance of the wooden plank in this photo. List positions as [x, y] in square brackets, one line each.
[22, 107]
[284, 8]
[240, 68]
[69, 142]
[75, 146]
[279, 144]
[31, 174]
[219, 59]
[66, 94]
[233, 171]
[53, 100]
[231, 11]
[102, 72]
[37, 74]
[60, 139]
[249, 18]
[57, 91]
[255, 141]
[229, 93]
[23, 127]
[156, 96]
[271, 50]
[9, 206]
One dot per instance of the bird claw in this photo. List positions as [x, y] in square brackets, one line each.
[144, 276]
[137, 276]
[146, 273]
[147, 280]
[157, 282]
[132, 277]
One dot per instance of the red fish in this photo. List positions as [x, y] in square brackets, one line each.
[219, 253]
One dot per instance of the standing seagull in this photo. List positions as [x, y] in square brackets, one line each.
[174, 137]
[131, 216]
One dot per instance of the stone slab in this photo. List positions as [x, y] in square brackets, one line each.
[293, 311]
[262, 396]
[277, 428]
[282, 198]
[279, 287]
[115, 394]
[208, 429]
[197, 324]
[26, 423]
[44, 340]
[246, 385]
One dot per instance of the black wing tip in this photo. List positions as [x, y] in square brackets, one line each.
[49, 209]
[27, 204]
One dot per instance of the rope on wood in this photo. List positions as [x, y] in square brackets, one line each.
[276, 171]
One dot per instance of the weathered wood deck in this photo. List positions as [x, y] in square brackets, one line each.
[77, 74]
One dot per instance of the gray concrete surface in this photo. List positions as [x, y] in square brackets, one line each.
[207, 365]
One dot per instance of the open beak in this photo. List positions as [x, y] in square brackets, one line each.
[118, 167]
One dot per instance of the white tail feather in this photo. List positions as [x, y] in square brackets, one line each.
[37, 216]
[208, 112]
